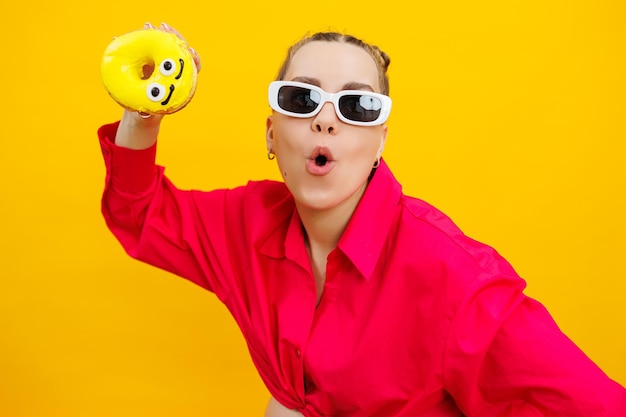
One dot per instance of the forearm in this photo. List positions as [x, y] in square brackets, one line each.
[137, 132]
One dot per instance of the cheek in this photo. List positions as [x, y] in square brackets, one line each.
[286, 150]
[285, 136]
[365, 145]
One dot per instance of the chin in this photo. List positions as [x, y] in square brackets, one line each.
[316, 201]
[325, 199]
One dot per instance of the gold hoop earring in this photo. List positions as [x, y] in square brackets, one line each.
[377, 163]
[270, 155]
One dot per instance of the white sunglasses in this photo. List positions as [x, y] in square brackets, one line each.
[356, 107]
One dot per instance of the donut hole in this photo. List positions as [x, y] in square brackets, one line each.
[147, 69]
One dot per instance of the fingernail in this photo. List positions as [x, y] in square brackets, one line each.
[165, 26]
[148, 25]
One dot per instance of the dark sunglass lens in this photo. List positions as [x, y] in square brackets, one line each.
[297, 99]
[360, 108]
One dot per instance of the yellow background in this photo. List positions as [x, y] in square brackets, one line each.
[508, 115]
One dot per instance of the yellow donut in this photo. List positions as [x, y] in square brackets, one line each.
[150, 71]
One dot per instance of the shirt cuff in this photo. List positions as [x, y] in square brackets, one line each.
[128, 170]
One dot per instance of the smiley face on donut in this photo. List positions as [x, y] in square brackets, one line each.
[150, 71]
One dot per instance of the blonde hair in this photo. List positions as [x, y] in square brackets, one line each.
[380, 58]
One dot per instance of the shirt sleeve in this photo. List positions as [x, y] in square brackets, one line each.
[507, 357]
[156, 223]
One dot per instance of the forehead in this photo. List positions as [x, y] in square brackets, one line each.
[334, 64]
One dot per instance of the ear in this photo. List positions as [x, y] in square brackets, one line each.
[269, 134]
[383, 140]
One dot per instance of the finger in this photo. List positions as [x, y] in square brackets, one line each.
[196, 59]
[148, 25]
[170, 29]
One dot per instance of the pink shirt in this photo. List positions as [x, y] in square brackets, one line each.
[416, 319]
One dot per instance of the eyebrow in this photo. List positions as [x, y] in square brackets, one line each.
[353, 85]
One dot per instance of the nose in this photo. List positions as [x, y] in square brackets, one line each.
[326, 120]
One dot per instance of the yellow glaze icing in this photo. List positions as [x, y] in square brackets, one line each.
[150, 71]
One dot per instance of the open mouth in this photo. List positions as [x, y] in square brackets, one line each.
[321, 160]
[321, 155]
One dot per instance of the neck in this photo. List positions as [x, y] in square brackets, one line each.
[324, 227]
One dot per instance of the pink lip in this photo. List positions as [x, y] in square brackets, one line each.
[311, 165]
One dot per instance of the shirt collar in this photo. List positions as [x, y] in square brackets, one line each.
[367, 231]
[287, 240]
[365, 234]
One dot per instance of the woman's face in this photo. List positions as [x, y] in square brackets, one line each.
[348, 152]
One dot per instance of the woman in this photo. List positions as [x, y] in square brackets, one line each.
[354, 299]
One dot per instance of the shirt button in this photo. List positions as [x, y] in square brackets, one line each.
[298, 354]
